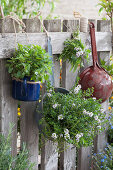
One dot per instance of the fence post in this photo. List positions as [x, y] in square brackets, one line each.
[49, 154]
[68, 157]
[8, 106]
[29, 130]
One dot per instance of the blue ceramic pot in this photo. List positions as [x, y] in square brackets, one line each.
[25, 90]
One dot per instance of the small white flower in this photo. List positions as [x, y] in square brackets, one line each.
[66, 131]
[96, 117]
[99, 127]
[102, 110]
[73, 104]
[54, 135]
[61, 135]
[99, 121]
[79, 86]
[50, 90]
[94, 98]
[55, 105]
[90, 114]
[76, 90]
[49, 94]
[81, 134]
[84, 111]
[60, 117]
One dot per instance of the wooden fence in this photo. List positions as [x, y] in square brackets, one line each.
[59, 31]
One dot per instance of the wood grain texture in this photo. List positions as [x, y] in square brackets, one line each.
[7, 44]
[8, 106]
[70, 25]
[103, 25]
[29, 131]
[32, 25]
[84, 158]
[52, 25]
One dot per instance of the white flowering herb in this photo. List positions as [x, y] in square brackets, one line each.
[72, 118]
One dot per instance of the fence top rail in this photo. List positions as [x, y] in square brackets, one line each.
[8, 41]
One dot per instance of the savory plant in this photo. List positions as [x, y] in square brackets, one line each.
[74, 51]
[7, 161]
[31, 61]
[72, 117]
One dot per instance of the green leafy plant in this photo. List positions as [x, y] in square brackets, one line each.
[31, 61]
[72, 117]
[7, 161]
[108, 68]
[107, 6]
[74, 51]
[104, 160]
[21, 8]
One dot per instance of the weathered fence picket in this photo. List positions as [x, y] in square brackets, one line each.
[58, 31]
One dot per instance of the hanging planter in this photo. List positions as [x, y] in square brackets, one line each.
[25, 90]
[29, 66]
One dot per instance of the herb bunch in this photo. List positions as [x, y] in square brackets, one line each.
[74, 51]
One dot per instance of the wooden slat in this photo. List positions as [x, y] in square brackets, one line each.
[7, 44]
[70, 25]
[52, 25]
[8, 25]
[103, 25]
[29, 129]
[8, 106]
[49, 160]
[32, 25]
[84, 158]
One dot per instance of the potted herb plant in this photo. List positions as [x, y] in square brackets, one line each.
[29, 66]
[71, 116]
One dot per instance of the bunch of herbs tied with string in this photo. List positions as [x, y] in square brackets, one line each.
[75, 51]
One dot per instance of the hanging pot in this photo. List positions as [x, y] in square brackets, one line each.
[95, 76]
[25, 90]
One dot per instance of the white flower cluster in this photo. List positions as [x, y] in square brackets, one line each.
[66, 134]
[55, 105]
[76, 90]
[94, 98]
[60, 117]
[88, 113]
[97, 119]
[78, 136]
[54, 136]
[49, 94]
[79, 52]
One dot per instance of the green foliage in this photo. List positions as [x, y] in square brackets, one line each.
[104, 160]
[30, 60]
[20, 7]
[72, 117]
[74, 51]
[107, 6]
[108, 68]
[7, 161]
